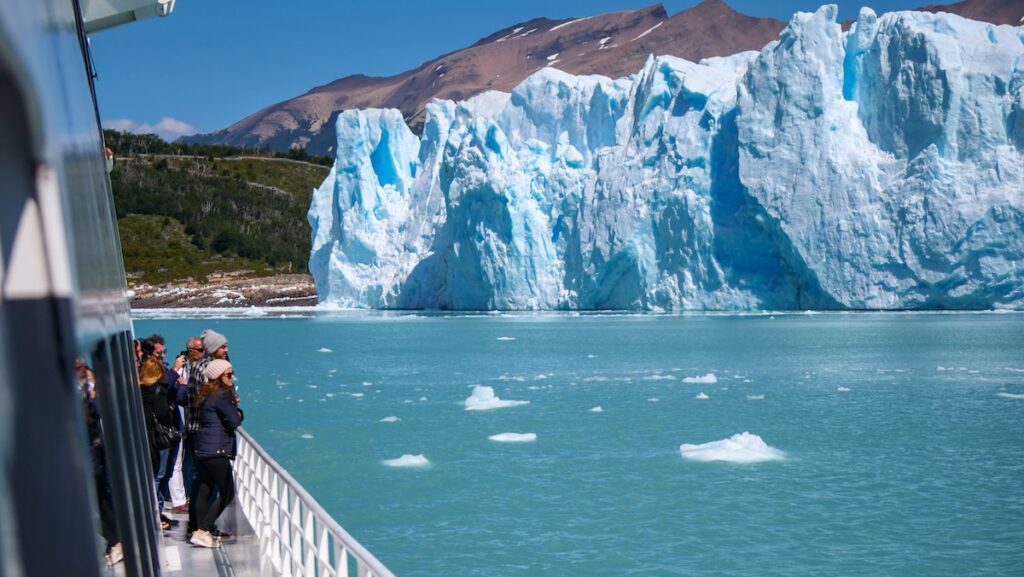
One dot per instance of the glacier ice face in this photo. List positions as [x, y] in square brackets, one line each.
[879, 168]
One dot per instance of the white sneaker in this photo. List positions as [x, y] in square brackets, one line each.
[116, 555]
[204, 539]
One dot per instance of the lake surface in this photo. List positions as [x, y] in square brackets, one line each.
[900, 436]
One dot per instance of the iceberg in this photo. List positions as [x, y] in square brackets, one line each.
[879, 168]
[739, 448]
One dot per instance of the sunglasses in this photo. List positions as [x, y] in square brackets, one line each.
[229, 374]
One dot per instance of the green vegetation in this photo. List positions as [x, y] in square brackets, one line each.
[188, 215]
[128, 144]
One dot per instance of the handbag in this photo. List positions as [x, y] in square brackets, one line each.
[165, 437]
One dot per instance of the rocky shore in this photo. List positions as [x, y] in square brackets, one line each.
[229, 292]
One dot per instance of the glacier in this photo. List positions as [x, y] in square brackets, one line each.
[879, 168]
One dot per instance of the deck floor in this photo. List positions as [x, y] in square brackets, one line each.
[236, 557]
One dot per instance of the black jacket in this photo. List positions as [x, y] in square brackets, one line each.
[218, 419]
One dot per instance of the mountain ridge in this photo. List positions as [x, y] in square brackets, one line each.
[613, 44]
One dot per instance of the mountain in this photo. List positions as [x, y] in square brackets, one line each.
[614, 44]
[880, 168]
[1009, 12]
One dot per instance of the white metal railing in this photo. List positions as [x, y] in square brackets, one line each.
[296, 536]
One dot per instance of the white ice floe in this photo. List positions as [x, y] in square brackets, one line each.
[514, 437]
[423, 399]
[356, 395]
[595, 379]
[708, 379]
[390, 419]
[367, 384]
[506, 338]
[740, 448]
[702, 397]
[483, 399]
[307, 436]
[661, 378]
[312, 386]
[324, 350]
[408, 461]
[597, 409]
[1011, 395]
[329, 394]
[842, 389]
[755, 397]
[653, 400]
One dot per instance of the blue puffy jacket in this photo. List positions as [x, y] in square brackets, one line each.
[218, 419]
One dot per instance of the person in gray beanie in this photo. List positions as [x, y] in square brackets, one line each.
[213, 342]
[215, 347]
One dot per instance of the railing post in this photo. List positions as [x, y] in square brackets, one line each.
[296, 535]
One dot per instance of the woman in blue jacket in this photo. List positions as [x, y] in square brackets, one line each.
[215, 445]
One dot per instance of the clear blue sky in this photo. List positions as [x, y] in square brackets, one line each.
[212, 62]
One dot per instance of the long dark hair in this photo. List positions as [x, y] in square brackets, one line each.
[212, 387]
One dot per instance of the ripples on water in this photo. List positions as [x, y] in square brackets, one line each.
[899, 434]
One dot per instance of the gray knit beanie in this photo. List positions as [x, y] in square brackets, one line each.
[212, 340]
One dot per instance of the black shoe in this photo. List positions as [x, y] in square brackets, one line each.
[170, 522]
[221, 534]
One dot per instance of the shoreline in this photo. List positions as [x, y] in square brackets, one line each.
[290, 290]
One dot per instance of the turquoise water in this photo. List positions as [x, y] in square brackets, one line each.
[902, 436]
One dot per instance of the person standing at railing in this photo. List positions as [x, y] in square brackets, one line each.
[214, 346]
[215, 448]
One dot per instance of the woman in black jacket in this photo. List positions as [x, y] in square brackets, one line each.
[215, 446]
[156, 409]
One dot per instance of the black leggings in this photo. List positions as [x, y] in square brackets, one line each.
[213, 472]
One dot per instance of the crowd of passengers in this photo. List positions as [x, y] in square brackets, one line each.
[195, 397]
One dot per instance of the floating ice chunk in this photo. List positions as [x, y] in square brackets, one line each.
[507, 377]
[755, 397]
[332, 371]
[324, 350]
[329, 394]
[596, 379]
[1011, 395]
[356, 395]
[708, 379]
[367, 384]
[422, 399]
[740, 448]
[597, 409]
[506, 338]
[1014, 370]
[407, 401]
[653, 400]
[313, 386]
[483, 399]
[842, 389]
[661, 378]
[591, 356]
[514, 437]
[390, 419]
[408, 461]
[702, 397]
[307, 436]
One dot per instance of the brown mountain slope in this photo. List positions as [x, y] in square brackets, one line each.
[614, 44]
[995, 11]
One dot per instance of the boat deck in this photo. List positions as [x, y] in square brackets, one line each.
[236, 557]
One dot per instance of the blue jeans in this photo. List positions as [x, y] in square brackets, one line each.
[162, 469]
[163, 476]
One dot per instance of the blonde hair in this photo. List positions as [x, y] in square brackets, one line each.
[152, 372]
